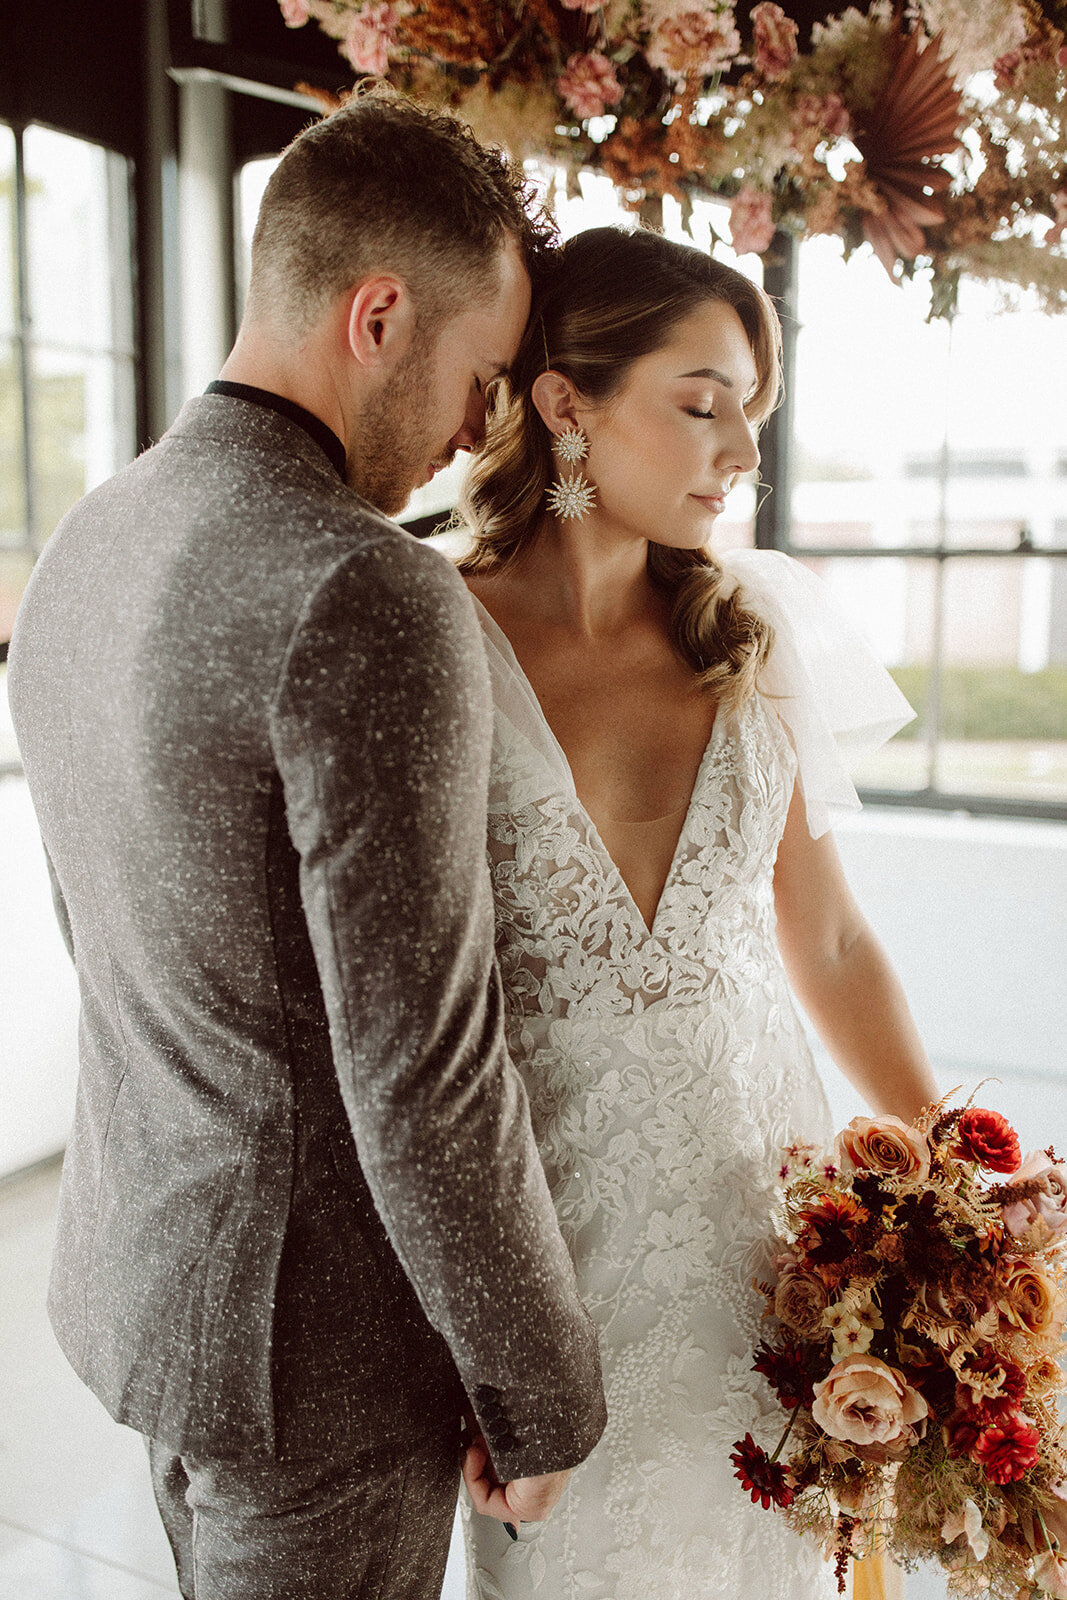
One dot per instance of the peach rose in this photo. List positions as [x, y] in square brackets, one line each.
[882, 1144]
[1031, 1300]
[1046, 1212]
[866, 1402]
[800, 1298]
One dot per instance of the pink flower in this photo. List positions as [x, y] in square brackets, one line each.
[1050, 1574]
[1055, 236]
[865, 1402]
[694, 43]
[751, 228]
[776, 39]
[1005, 67]
[1061, 56]
[825, 112]
[370, 33]
[1055, 1517]
[1047, 1211]
[589, 85]
[295, 12]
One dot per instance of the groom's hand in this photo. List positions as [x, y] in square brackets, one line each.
[522, 1500]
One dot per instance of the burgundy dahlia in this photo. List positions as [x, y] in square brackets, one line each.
[766, 1480]
[787, 1373]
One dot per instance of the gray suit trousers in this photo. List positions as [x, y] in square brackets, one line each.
[368, 1526]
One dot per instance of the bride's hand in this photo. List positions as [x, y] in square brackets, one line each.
[522, 1500]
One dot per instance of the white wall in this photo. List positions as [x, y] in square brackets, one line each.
[38, 995]
[973, 912]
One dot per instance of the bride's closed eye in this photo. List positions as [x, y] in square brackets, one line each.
[709, 416]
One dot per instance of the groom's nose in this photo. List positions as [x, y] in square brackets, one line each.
[472, 430]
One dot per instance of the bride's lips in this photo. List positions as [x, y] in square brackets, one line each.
[713, 502]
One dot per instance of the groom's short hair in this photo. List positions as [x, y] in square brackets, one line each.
[385, 184]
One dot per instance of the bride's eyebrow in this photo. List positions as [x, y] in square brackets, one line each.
[710, 372]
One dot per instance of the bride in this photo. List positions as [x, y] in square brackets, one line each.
[669, 734]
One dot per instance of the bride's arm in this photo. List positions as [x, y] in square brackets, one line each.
[842, 976]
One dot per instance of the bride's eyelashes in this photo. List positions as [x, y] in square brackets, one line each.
[708, 416]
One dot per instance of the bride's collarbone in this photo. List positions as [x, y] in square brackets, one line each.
[634, 734]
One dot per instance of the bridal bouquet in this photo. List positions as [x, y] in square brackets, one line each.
[918, 1312]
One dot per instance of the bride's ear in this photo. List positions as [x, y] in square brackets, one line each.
[555, 398]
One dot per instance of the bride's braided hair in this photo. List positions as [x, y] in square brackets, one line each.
[612, 297]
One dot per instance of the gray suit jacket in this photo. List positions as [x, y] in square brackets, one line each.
[301, 1207]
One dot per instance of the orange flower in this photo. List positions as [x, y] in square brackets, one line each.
[828, 1226]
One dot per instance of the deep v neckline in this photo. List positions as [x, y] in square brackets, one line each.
[499, 638]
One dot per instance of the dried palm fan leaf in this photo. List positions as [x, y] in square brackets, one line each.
[914, 119]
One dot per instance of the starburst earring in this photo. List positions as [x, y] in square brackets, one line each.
[572, 496]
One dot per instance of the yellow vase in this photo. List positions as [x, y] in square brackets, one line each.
[876, 1578]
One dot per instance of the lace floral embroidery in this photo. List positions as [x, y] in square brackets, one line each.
[665, 1067]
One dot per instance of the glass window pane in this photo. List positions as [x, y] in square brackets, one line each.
[12, 490]
[82, 427]
[868, 395]
[1004, 680]
[8, 288]
[77, 198]
[904, 429]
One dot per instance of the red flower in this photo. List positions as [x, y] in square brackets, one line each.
[989, 1139]
[764, 1478]
[787, 1373]
[1008, 1448]
[962, 1431]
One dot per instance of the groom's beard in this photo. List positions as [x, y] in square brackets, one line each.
[397, 437]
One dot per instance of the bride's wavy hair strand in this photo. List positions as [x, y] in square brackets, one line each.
[612, 297]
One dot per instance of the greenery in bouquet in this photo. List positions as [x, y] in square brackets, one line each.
[915, 1330]
[935, 130]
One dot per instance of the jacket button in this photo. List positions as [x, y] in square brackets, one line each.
[486, 1391]
[506, 1442]
[491, 1410]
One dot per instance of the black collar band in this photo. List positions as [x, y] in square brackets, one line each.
[323, 436]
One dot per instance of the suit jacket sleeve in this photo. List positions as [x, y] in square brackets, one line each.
[59, 906]
[381, 730]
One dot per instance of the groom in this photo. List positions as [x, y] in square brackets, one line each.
[303, 1225]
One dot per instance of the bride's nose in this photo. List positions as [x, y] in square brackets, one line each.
[739, 452]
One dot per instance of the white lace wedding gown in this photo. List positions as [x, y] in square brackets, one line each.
[666, 1067]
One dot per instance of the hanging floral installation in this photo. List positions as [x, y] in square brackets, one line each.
[935, 133]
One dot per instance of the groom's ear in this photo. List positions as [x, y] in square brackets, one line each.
[381, 321]
[556, 400]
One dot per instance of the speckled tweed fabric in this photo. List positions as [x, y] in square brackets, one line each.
[302, 1210]
[374, 1526]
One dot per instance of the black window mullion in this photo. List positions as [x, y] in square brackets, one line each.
[23, 344]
